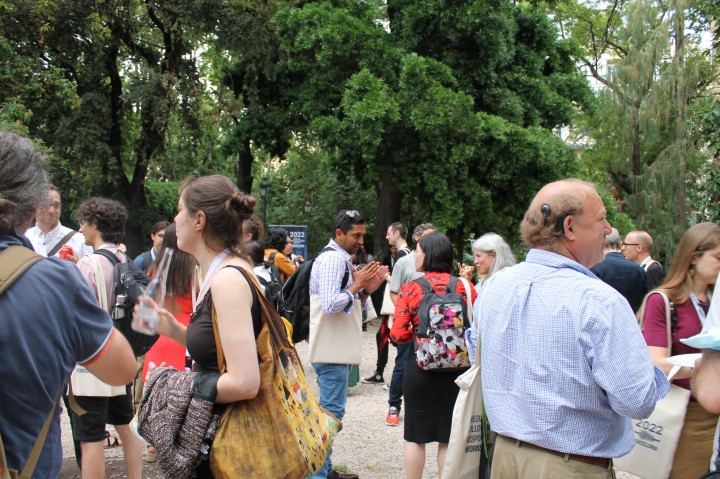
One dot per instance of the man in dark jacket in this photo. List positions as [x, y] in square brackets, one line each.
[625, 276]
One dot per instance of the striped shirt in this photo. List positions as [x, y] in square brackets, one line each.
[564, 363]
[326, 278]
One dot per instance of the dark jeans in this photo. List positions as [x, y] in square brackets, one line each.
[396, 390]
[382, 340]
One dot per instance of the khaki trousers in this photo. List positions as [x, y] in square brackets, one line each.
[695, 446]
[511, 461]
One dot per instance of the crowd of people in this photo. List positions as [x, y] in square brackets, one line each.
[574, 339]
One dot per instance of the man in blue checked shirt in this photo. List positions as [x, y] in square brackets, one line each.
[564, 363]
[338, 295]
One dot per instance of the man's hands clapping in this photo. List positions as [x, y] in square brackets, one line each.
[370, 277]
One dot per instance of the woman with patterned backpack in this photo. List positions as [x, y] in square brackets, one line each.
[433, 312]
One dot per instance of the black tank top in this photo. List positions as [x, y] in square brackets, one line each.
[200, 337]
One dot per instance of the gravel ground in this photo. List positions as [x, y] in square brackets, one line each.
[366, 446]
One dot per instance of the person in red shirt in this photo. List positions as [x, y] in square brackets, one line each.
[688, 285]
[429, 395]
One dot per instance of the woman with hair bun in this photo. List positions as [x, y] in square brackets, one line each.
[211, 213]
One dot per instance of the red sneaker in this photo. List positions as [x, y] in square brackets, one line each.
[393, 417]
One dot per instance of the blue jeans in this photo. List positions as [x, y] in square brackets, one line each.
[396, 389]
[333, 382]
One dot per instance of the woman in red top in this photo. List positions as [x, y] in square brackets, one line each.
[429, 395]
[178, 302]
[689, 285]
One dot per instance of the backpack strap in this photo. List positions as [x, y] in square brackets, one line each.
[274, 273]
[14, 261]
[424, 285]
[61, 243]
[107, 254]
[346, 276]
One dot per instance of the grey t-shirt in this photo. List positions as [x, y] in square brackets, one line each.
[404, 272]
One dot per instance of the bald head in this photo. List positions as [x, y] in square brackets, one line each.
[540, 227]
[567, 217]
[637, 246]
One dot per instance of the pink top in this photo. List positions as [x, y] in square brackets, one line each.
[688, 324]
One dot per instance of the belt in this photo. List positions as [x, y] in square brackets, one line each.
[595, 461]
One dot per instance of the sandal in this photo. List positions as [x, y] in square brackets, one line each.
[111, 440]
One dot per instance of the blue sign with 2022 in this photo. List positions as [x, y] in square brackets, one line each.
[299, 235]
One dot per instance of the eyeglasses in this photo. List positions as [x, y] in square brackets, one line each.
[632, 244]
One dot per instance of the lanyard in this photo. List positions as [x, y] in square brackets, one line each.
[698, 308]
[213, 266]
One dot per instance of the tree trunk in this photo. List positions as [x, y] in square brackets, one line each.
[636, 144]
[244, 167]
[681, 102]
[388, 210]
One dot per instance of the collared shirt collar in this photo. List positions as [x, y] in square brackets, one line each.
[52, 234]
[332, 244]
[647, 260]
[555, 260]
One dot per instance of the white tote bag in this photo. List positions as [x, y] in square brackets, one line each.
[335, 339]
[465, 447]
[388, 307]
[656, 438]
[84, 383]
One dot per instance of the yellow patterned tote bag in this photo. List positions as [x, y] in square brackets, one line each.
[283, 432]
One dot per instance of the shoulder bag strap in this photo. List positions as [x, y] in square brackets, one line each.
[268, 316]
[14, 261]
[668, 312]
[32, 461]
[61, 243]
[668, 321]
[99, 282]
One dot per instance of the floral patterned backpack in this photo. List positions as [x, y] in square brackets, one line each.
[442, 322]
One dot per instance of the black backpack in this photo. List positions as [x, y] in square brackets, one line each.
[272, 288]
[440, 334]
[130, 282]
[295, 299]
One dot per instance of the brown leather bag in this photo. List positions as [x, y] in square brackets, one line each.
[283, 433]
